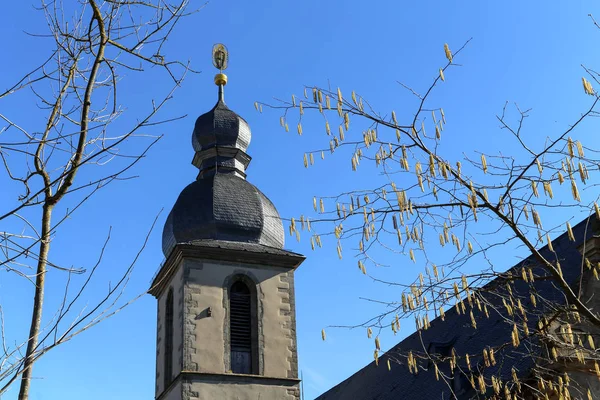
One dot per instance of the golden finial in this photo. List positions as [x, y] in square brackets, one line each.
[220, 60]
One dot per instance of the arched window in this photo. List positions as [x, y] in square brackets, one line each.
[168, 372]
[240, 328]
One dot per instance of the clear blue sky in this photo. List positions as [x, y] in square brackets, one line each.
[528, 52]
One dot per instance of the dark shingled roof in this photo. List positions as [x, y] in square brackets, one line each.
[221, 204]
[378, 383]
[220, 127]
[223, 207]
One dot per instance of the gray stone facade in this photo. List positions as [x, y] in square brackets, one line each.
[200, 279]
[178, 312]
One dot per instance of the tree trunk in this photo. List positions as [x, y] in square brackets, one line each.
[38, 301]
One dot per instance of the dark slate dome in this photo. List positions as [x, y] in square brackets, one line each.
[223, 207]
[221, 127]
[221, 204]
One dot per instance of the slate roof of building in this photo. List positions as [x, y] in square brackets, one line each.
[378, 383]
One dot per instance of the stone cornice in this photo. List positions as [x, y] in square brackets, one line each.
[184, 376]
[230, 252]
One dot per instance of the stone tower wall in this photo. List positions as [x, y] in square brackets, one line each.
[201, 367]
[178, 316]
[205, 347]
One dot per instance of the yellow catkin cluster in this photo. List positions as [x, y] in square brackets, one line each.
[515, 336]
[534, 188]
[496, 385]
[447, 52]
[481, 383]
[318, 240]
[575, 191]
[431, 165]
[550, 247]
[570, 147]
[473, 322]
[509, 308]
[444, 169]
[456, 291]
[362, 267]
[579, 148]
[456, 242]
[570, 232]
[412, 364]
[453, 360]
[515, 378]
[587, 87]
[583, 172]
[539, 166]
[426, 323]
[561, 178]
[486, 358]
[536, 218]
[548, 189]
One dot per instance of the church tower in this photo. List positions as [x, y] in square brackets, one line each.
[226, 314]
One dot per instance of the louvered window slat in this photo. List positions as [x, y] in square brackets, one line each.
[240, 328]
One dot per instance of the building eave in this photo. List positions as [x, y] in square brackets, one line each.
[247, 253]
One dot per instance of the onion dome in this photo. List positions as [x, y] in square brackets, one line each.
[221, 204]
[220, 140]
